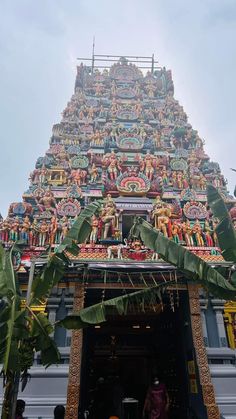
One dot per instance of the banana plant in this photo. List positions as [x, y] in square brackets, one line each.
[23, 332]
[225, 231]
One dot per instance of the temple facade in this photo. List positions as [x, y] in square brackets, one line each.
[125, 140]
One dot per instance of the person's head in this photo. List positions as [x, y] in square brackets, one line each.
[20, 406]
[59, 412]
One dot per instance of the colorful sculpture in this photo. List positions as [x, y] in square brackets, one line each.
[124, 137]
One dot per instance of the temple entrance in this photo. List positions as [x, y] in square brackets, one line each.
[127, 351]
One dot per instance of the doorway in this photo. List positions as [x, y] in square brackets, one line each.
[131, 349]
[128, 221]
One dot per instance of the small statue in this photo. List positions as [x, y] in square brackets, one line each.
[15, 230]
[197, 231]
[94, 232]
[25, 229]
[47, 202]
[43, 233]
[113, 165]
[208, 232]
[187, 233]
[147, 165]
[109, 218]
[93, 173]
[53, 230]
[175, 232]
[161, 214]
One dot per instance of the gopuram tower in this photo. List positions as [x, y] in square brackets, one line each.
[126, 140]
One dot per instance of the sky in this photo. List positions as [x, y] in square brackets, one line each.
[41, 40]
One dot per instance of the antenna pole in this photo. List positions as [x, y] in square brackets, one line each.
[153, 62]
[93, 54]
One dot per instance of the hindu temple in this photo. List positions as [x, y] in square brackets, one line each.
[125, 140]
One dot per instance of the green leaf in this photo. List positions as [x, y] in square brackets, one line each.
[42, 285]
[98, 313]
[10, 303]
[225, 230]
[41, 330]
[81, 228]
[189, 263]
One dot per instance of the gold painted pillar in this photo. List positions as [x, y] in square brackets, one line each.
[230, 323]
[201, 355]
[73, 389]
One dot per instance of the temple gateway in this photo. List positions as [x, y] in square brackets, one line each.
[124, 139]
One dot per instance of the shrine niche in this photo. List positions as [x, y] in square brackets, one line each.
[79, 162]
[127, 114]
[125, 73]
[56, 177]
[73, 191]
[125, 93]
[132, 184]
[73, 149]
[195, 211]
[230, 322]
[20, 209]
[179, 164]
[126, 142]
[69, 207]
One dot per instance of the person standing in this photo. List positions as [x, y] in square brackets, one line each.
[59, 412]
[20, 408]
[156, 404]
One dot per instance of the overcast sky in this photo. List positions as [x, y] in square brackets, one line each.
[39, 43]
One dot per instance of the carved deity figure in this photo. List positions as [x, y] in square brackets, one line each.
[113, 165]
[93, 173]
[94, 232]
[187, 233]
[109, 218]
[64, 228]
[47, 202]
[208, 234]
[78, 176]
[15, 229]
[43, 233]
[5, 230]
[53, 230]
[147, 165]
[25, 229]
[175, 232]
[197, 231]
[161, 214]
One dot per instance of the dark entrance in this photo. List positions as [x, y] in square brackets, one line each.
[128, 221]
[133, 348]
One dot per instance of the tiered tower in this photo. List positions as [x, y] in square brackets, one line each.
[122, 137]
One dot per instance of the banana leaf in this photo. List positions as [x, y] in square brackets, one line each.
[190, 264]
[42, 285]
[98, 313]
[10, 304]
[41, 329]
[81, 228]
[225, 231]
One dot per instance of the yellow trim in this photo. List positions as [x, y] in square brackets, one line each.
[36, 308]
[229, 314]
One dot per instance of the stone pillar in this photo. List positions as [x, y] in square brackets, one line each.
[204, 328]
[201, 355]
[73, 389]
[218, 307]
